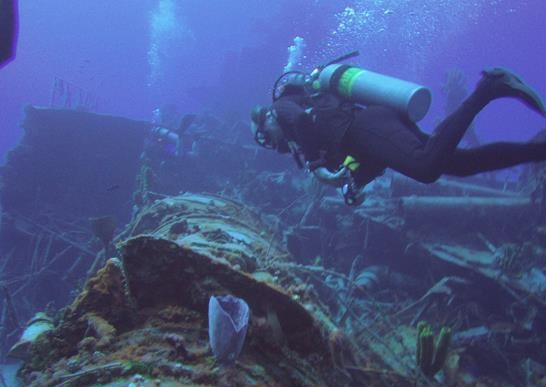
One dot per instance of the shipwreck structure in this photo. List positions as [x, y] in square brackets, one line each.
[431, 285]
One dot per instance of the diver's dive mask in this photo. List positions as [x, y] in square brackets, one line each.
[257, 123]
[267, 132]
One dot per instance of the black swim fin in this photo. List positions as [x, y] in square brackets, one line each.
[504, 83]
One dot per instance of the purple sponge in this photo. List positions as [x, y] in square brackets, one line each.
[228, 323]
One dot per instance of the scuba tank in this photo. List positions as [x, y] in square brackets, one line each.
[359, 86]
[369, 88]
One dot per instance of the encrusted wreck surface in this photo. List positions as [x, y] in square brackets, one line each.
[144, 316]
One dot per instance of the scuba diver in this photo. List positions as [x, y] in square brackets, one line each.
[8, 30]
[350, 124]
[165, 137]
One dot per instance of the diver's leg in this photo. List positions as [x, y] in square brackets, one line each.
[447, 135]
[490, 157]
[380, 139]
[496, 83]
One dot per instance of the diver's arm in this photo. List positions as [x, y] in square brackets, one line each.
[353, 194]
[8, 30]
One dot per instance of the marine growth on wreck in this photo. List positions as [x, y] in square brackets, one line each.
[302, 290]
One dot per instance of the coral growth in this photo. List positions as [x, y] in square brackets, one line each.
[431, 357]
[106, 294]
[100, 329]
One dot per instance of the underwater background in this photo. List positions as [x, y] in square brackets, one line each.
[135, 56]
[121, 247]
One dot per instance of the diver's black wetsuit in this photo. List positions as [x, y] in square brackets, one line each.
[379, 138]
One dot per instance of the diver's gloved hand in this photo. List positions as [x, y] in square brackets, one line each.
[353, 195]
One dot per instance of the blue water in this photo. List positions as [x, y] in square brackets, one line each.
[223, 55]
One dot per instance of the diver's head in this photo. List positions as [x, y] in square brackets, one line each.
[266, 129]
